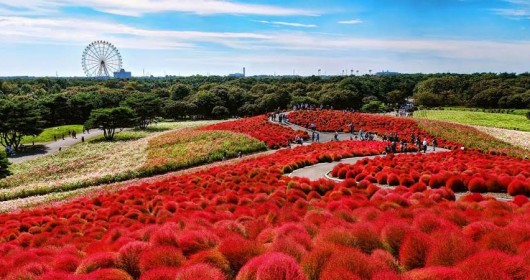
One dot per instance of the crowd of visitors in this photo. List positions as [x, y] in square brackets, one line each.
[415, 140]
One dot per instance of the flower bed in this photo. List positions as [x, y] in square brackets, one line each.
[91, 164]
[457, 170]
[449, 135]
[330, 121]
[259, 127]
[247, 221]
[471, 137]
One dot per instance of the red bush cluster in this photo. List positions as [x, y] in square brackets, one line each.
[456, 170]
[333, 120]
[274, 135]
[249, 221]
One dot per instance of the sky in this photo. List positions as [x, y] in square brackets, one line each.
[218, 37]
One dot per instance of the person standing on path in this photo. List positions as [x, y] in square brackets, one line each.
[318, 137]
[336, 136]
[424, 145]
[434, 144]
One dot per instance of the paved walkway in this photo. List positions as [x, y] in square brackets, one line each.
[318, 171]
[53, 147]
[325, 136]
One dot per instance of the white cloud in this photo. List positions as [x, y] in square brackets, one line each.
[291, 24]
[60, 31]
[520, 9]
[141, 7]
[352, 21]
[15, 30]
[263, 50]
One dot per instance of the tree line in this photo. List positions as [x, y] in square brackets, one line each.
[31, 104]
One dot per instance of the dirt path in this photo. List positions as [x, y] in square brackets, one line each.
[54, 147]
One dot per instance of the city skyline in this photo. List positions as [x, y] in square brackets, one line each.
[164, 37]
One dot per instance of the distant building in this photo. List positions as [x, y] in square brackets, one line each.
[122, 74]
[386, 73]
[238, 75]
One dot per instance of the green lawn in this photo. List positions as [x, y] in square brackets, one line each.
[521, 112]
[48, 133]
[508, 121]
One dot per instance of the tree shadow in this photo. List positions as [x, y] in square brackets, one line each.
[30, 151]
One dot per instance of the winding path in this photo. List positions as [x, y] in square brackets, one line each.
[320, 170]
[53, 147]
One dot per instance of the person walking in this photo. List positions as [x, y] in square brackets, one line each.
[318, 137]
[424, 145]
[434, 144]
[336, 136]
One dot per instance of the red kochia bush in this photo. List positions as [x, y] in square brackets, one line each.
[97, 261]
[393, 179]
[109, 274]
[413, 250]
[449, 248]
[436, 273]
[393, 234]
[518, 187]
[274, 135]
[239, 250]
[494, 265]
[271, 266]
[194, 241]
[314, 262]
[477, 184]
[129, 257]
[161, 256]
[66, 263]
[456, 184]
[160, 273]
[200, 271]
[406, 180]
[351, 263]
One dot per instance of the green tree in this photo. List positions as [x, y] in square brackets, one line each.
[4, 166]
[373, 107]
[220, 112]
[178, 109]
[55, 109]
[395, 98]
[110, 119]
[146, 107]
[81, 105]
[19, 117]
[180, 91]
[206, 101]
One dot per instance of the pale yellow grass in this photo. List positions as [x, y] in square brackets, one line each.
[517, 138]
[84, 162]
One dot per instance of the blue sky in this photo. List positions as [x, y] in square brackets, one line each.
[187, 37]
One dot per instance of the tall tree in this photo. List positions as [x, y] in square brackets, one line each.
[19, 117]
[146, 107]
[111, 119]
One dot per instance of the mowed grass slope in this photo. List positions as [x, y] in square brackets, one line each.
[48, 133]
[507, 121]
[97, 162]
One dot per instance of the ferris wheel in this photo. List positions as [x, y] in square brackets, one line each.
[101, 59]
